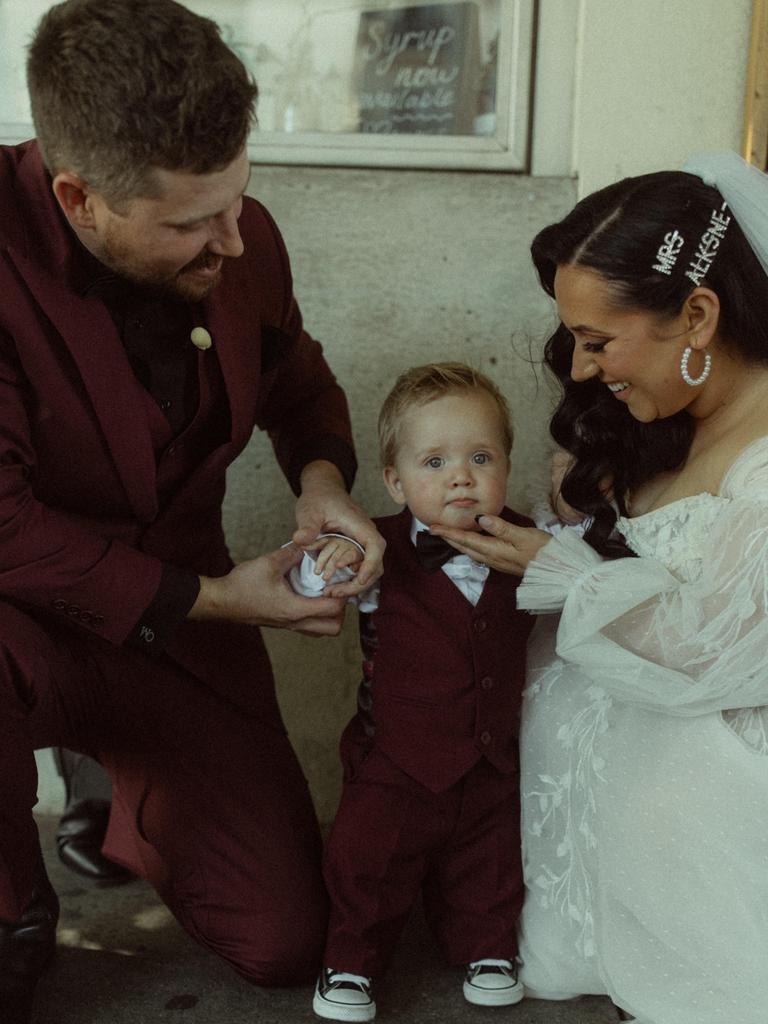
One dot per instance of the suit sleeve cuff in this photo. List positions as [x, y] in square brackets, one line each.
[175, 596]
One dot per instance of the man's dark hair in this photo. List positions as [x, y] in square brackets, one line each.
[120, 87]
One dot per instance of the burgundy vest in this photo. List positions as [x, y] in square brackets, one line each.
[446, 677]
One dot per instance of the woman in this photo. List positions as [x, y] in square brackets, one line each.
[645, 733]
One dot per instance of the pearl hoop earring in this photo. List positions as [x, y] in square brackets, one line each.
[694, 382]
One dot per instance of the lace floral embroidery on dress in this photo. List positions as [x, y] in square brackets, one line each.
[561, 800]
[567, 807]
[657, 534]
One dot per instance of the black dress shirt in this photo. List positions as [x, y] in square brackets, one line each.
[155, 333]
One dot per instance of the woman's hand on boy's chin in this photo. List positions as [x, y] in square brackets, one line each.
[501, 546]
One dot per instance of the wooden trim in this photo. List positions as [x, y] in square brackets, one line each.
[755, 136]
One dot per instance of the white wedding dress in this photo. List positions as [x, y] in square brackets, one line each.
[645, 762]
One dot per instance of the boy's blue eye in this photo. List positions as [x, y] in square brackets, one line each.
[481, 458]
[435, 462]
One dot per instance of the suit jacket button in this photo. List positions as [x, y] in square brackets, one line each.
[85, 615]
[98, 620]
[480, 625]
[486, 682]
[59, 604]
[74, 611]
[485, 738]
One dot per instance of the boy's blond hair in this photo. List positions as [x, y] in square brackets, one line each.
[423, 384]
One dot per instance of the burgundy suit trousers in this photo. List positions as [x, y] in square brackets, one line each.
[393, 838]
[210, 804]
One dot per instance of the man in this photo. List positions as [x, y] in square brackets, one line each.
[125, 632]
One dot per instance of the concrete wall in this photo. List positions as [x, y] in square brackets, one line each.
[393, 269]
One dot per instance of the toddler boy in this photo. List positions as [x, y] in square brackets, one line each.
[430, 800]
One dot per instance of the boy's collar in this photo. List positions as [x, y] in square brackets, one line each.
[416, 526]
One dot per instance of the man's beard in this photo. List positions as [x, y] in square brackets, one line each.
[154, 278]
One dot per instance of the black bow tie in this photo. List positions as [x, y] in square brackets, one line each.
[433, 552]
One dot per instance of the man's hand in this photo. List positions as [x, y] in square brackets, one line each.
[257, 593]
[325, 507]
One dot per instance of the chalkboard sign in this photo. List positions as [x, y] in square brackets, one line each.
[417, 69]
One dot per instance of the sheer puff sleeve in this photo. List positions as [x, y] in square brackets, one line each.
[683, 628]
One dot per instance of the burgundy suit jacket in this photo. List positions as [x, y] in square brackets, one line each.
[80, 522]
[445, 678]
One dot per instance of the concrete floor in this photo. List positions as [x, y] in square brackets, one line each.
[122, 959]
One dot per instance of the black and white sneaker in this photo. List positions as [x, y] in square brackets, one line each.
[492, 983]
[343, 996]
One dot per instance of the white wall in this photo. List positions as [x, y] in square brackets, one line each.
[655, 81]
[555, 87]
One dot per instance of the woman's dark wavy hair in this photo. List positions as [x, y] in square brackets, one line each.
[617, 232]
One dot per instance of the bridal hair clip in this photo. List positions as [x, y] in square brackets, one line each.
[710, 241]
[668, 252]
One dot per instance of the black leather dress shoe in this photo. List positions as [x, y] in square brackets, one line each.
[79, 836]
[26, 947]
[83, 824]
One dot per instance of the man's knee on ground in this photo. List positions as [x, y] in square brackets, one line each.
[275, 947]
[275, 959]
